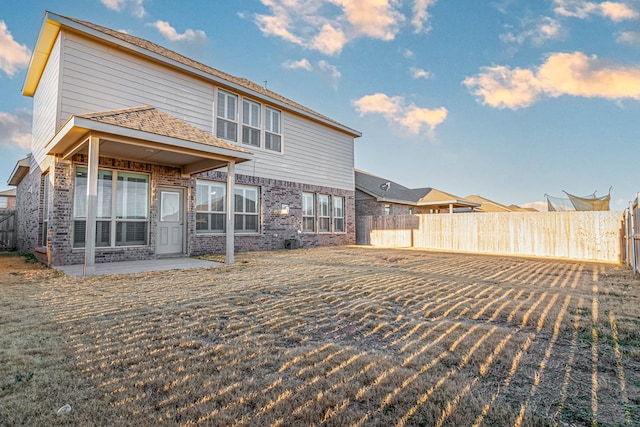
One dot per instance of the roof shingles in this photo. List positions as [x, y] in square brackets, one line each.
[151, 120]
[174, 56]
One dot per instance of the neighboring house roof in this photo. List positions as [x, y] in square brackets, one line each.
[487, 205]
[385, 190]
[20, 171]
[8, 193]
[53, 22]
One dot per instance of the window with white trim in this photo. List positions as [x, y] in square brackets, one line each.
[4, 202]
[211, 208]
[227, 116]
[250, 123]
[324, 214]
[273, 133]
[122, 211]
[308, 212]
[338, 214]
[246, 209]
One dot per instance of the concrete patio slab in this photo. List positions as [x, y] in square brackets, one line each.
[125, 267]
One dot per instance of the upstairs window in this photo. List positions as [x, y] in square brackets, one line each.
[227, 116]
[273, 132]
[250, 123]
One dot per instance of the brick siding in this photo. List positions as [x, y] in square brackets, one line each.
[274, 227]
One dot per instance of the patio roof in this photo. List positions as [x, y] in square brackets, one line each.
[20, 171]
[148, 135]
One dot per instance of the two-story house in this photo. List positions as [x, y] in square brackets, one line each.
[139, 152]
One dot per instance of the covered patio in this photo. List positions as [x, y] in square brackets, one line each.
[150, 136]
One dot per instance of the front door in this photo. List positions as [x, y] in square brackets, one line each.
[171, 223]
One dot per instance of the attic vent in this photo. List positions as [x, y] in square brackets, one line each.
[386, 186]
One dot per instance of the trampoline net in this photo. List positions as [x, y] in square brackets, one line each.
[578, 203]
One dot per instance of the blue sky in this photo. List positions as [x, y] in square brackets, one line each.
[506, 99]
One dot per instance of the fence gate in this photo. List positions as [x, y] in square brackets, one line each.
[7, 231]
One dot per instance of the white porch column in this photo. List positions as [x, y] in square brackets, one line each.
[92, 207]
[450, 207]
[231, 214]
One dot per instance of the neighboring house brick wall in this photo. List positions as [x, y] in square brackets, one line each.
[367, 205]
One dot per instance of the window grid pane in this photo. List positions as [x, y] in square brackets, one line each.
[308, 213]
[131, 201]
[338, 214]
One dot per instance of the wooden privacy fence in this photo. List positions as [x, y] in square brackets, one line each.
[595, 236]
[632, 243]
[7, 231]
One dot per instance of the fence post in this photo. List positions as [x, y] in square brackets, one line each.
[633, 238]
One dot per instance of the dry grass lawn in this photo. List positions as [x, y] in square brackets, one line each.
[328, 336]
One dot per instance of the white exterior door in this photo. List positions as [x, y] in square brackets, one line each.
[171, 221]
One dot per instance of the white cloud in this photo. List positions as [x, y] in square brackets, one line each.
[136, 6]
[15, 130]
[502, 87]
[378, 19]
[328, 25]
[326, 70]
[301, 64]
[629, 37]
[421, 15]
[408, 53]
[394, 109]
[171, 34]
[574, 74]
[616, 11]
[329, 40]
[536, 31]
[13, 55]
[419, 73]
[331, 72]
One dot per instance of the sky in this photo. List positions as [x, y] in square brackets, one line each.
[506, 99]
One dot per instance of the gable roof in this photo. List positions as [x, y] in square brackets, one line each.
[151, 120]
[8, 193]
[487, 205]
[385, 190]
[54, 22]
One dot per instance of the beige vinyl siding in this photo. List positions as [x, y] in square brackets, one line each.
[312, 154]
[45, 107]
[99, 78]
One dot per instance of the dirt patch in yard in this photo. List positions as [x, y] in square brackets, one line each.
[325, 336]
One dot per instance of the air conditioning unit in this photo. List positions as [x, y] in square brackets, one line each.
[291, 244]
